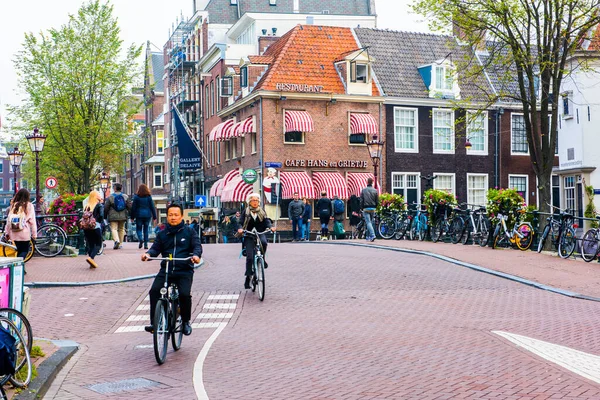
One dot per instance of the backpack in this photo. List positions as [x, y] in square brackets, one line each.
[87, 221]
[17, 222]
[8, 352]
[338, 206]
[120, 203]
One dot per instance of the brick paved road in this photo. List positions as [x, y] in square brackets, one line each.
[338, 322]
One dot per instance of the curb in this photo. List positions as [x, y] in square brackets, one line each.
[47, 371]
[34, 285]
[473, 267]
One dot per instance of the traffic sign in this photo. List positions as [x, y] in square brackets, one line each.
[51, 182]
[200, 200]
[273, 165]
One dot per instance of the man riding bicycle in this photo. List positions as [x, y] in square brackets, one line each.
[253, 217]
[180, 241]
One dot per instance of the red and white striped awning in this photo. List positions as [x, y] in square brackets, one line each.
[357, 181]
[300, 182]
[298, 121]
[246, 126]
[226, 130]
[363, 124]
[213, 132]
[216, 188]
[331, 182]
[236, 190]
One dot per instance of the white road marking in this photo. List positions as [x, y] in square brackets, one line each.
[214, 315]
[223, 297]
[584, 364]
[138, 318]
[69, 315]
[199, 364]
[140, 328]
[142, 307]
[219, 306]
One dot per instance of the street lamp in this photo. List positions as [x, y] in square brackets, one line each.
[15, 157]
[375, 147]
[104, 182]
[36, 144]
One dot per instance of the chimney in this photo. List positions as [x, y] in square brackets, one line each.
[264, 42]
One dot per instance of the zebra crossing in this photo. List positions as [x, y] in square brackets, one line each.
[218, 309]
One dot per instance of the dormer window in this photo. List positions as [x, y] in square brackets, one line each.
[244, 77]
[226, 86]
[444, 77]
[359, 72]
[440, 79]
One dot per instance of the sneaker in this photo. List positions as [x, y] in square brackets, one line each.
[140, 244]
[149, 328]
[187, 328]
[116, 245]
[247, 283]
[91, 262]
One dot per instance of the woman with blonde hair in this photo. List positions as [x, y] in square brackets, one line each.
[93, 237]
[142, 209]
[21, 226]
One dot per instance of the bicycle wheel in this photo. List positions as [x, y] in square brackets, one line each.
[50, 241]
[484, 236]
[500, 241]
[386, 228]
[177, 331]
[436, 231]
[402, 228]
[21, 322]
[456, 229]
[524, 243]
[466, 233]
[567, 242]
[422, 228]
[161, 331]
[412, 231]
[589, 245]
[260, 278]
[543, 238]
[10, 252]
[22, 375]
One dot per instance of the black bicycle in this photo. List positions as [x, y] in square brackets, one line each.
[258, 264]
[561, 231]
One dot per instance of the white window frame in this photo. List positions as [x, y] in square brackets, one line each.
[405, 174]
[568, 200]
[155, 174]
[483, 115]
[415, 148]
[452, 177]
[445, 70]
[512, 152]
[452, 136]
[526, 184]
[160, 142]
[486, 188]
[354, 72]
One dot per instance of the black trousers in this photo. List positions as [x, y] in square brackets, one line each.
[22, 248]
[250, 243]
[184, 281]
[93, 237]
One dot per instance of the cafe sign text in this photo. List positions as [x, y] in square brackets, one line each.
[326, 163]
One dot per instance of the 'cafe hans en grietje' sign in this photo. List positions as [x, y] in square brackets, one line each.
[326, 163]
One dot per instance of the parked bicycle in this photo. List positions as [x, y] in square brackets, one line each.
[23, 370]
[258, 264]
[477, 226]
[560, 229]
[521, 234]
[447, 224]
[419, 227]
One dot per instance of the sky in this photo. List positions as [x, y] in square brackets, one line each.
[139, 20]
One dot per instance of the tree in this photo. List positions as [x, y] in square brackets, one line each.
[528, 45]
[77, 84]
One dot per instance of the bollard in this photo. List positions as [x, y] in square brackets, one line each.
[81, 239]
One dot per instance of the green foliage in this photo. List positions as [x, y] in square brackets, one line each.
[433, 197]
[590, 208]
[389, 202]
[504, 201]
[36, 351]
[78, 92]
[66, 204]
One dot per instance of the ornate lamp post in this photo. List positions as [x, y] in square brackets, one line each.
[36, 143]
[15, 157]
[104, 182]
[375, 147]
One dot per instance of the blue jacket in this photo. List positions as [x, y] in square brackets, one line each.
[143, 207]
[307, 214]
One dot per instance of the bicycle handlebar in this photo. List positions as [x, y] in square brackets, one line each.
[168, 259]
[254, 232]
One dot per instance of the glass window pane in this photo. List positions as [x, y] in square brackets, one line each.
[443, 132]
[476, 131]
[519, 136]
[404, 128]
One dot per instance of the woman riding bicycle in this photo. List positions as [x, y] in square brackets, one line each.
[253, 217]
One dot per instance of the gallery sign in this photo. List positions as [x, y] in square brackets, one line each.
[298, 87]
[327, 163]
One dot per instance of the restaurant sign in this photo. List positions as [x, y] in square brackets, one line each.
[326, 163]
[295, 87]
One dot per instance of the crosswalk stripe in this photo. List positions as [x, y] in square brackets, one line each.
[214, 315]
[219, 306]
[206, 324]
[142, 307]
[138, 318]
[223, 297]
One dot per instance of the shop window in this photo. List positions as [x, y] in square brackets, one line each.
[284, 203]
[294, 137]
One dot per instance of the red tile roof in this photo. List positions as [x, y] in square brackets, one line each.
[306, 55]
[595, 40]
[261, 59]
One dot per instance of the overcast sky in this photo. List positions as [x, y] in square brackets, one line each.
[139, 20]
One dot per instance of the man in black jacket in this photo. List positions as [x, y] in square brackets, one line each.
[181, 241]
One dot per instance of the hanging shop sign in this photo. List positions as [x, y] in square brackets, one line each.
[298, 87]
[249, 176]
[327, 163]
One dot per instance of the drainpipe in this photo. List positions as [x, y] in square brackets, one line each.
[381, 137]
[496, 149]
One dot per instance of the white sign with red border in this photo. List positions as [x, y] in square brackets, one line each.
[51, 182]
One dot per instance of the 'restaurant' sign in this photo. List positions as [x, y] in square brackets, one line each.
[295, 87]
[326, 163]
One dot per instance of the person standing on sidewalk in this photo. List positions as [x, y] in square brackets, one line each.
[21, 226]
[116, 208]
[93, 237]
[369, 199]
[306, 216]
[295, 210]
[142, 209]
[325, 210]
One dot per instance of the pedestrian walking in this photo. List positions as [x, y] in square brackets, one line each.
[369, 199]
[295, 210]
[116, 208]
[324, 208]
[143, 210]
[21, 226]
[306, 217]
[93, 233]
[43, 206]
[227, 227]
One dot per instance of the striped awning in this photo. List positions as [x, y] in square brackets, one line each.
[216, 188]
[213, 132]
[298, 121]
[226, 130]
[236, 190]
[300, 182]
[363, 124]
[331, 182]
[357, 181]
